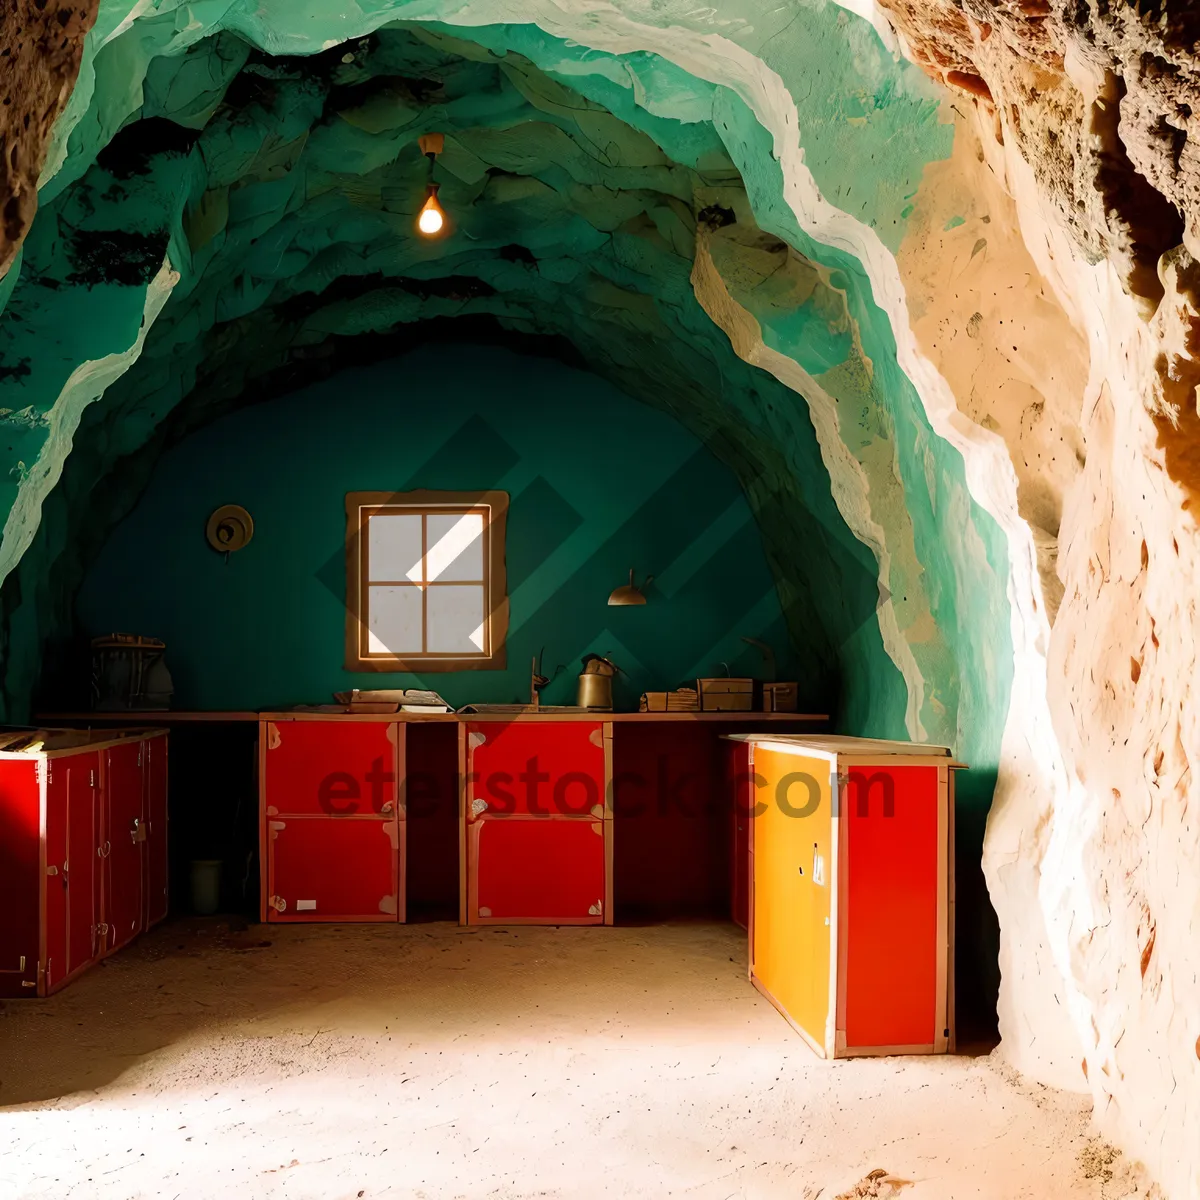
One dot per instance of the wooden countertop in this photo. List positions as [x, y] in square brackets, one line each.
[140, 716]
[173, 717]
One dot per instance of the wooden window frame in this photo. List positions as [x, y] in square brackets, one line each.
[493, 507]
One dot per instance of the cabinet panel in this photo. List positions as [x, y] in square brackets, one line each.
[538, 870]
[536, 767]
[329, 768]
[72, 855]
[56, 882]
[20, 877]
[156, 881]
[891, 816]
[332, 869]
[124, 839]
[79, 775]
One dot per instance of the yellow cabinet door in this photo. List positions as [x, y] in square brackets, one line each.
[793, 883]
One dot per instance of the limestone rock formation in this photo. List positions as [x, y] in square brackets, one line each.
[41, 44]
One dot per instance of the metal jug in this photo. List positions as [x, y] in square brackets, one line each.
[596, 683]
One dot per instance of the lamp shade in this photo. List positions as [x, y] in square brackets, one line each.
[627, 593]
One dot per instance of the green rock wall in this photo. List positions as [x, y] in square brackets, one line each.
[596, 485]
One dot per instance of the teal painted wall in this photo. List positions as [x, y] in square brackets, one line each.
[599, 483]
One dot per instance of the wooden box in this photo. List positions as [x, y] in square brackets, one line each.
[681, 700]
[780, 697]
[851, 907]
[726, 695]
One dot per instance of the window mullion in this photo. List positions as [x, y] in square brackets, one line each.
[424, 582]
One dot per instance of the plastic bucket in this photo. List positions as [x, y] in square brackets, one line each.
[206, 886]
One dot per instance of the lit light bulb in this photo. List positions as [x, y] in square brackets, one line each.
[431, 219]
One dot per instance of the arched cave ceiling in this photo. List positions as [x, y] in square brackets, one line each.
[948, 342]
[285, 189]
[252, 211]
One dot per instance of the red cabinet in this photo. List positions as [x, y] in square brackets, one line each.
[332, 833]
[852, 891]
[537, 823]
[76, 851]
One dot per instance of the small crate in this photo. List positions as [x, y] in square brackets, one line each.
[780, 697]
[726, 695]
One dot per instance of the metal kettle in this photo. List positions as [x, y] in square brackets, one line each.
[596, 683]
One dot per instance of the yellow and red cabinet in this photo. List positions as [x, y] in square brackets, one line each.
[83, 853]
[851, 907]
[332, 827]
[536, 823]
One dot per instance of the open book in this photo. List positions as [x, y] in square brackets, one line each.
[392, 700]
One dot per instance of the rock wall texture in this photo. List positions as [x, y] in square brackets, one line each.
[41, 45]
[947, 331]
[1086, 113]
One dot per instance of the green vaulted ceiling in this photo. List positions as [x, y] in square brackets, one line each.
[227, 211]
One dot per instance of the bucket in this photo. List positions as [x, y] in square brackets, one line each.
[206, 886]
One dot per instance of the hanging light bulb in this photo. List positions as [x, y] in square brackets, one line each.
[431, 220]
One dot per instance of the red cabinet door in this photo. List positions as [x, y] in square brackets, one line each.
[329, 768]
[332, 869]
[21, 877]
[125, 839]
[537, 870]
[547, 768]
[156, 883]
[79, 775]
[57, 880]
[890, 822]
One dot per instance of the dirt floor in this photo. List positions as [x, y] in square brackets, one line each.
[433, 1061]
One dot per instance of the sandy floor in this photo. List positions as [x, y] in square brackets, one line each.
[432, 1061]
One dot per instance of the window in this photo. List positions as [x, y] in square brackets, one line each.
[425, 581]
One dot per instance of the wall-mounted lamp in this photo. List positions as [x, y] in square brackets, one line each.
[431, 220]
[628, 593]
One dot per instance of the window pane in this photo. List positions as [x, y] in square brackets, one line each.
[394, 546]
[456, 619]
[394, 620]
[455, 546]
